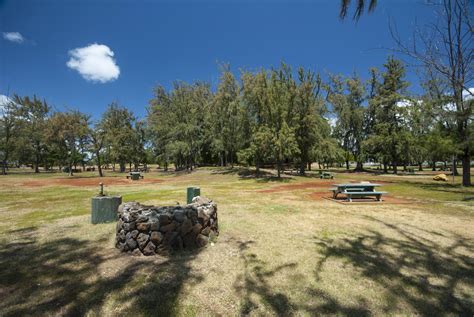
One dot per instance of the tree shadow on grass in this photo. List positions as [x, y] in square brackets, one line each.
[64, 277]
[253, 280]
[263, 176]
[446, 187]
[254, 285]
[434, 279]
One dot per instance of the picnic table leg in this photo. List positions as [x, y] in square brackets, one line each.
[349, 198]
[379, 197]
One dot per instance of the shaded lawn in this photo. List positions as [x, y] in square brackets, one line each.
[278, 254]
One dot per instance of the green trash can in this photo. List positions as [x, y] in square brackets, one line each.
[104, 208]
[191, 193]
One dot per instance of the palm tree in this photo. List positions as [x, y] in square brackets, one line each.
[359, 10]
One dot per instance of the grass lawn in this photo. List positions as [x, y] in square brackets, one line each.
[282, 249]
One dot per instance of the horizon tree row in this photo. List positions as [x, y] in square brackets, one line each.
[34, 135]
[272, 117]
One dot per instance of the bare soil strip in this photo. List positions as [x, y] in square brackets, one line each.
[364, 201]
[87, 181]
[327, 183]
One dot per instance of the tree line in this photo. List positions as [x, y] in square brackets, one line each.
[34, 135]
[276, 117]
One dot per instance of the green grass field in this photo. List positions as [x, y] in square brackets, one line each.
[282, 250]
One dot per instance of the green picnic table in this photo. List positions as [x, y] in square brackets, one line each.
[135, 176]
[326, 175]
[357, 190]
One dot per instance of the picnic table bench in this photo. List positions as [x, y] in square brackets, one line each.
[135, 176]
[357, 190]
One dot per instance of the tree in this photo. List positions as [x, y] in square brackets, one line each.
[327, 152]
[8, 130]
[279, 112]
[350, 113]
[139, 141]
[255, 101]
[269, 99]
[66, 130]
[440, 147]
[176, 122]
[387, 105]
[307, 119]
[445, 48]
[117, 123]
[33, 117]
[160, 125]
[97, 138]
[225, 118]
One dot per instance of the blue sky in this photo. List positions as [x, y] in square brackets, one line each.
[157, 42]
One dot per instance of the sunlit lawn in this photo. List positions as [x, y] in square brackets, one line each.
[280, 253]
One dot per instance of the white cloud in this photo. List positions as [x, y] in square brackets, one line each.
[94, 62]
[403, 103]
[4, 100]
[332, 121]
[13, 37]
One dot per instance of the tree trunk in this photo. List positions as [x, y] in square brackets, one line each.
[347, 164]
[279, 169]
[359, 167]
[257, 167]
[37, 163]
[395, 168]
[224, 159]
[4, 167]
[466, 169]
[420, 166]
[385, 168]
[302, 168]
[455, 168]
[433, 167]
[99, 166]
[122, 167]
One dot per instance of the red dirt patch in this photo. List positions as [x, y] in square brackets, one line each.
[87, 181]
[318, 184]
[341, 200]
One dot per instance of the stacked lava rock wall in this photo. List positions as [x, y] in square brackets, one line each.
[149, 230]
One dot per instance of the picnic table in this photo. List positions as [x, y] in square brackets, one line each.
[357, 190]
[135, 176]
[326, 175]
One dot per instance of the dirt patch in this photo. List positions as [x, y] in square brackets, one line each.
[318, 184]
[87, 181]
[342, 199]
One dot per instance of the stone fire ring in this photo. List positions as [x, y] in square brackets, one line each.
[150, 230]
